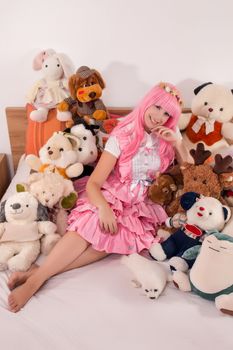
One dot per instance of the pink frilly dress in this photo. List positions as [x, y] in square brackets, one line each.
[137, 216]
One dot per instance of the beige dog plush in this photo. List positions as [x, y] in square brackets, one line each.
[58, 155]
[23, 221]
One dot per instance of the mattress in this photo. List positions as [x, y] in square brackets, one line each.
[95, 307]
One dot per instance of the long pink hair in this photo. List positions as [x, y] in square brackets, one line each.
[135, 120]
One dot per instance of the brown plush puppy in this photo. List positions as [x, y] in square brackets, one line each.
[162, 190]
[85, 89]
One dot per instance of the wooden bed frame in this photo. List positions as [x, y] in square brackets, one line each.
[17, 124]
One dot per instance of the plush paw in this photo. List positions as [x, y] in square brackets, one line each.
[163, 234]
[99, 115]
[18, 263]
[39, 115]
[178, 264]
[64, 116]
[48, 242]
[3, 266]
[136, 284]
[224, 303]
[181, 281]
[157, 252]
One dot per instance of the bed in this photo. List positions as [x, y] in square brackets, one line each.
[95, 307]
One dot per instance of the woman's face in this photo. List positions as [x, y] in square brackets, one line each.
[155, 116]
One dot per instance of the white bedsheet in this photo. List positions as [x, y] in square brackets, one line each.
[95, 307]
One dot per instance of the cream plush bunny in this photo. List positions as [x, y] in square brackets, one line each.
[53, 87]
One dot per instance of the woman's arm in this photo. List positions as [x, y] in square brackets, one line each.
[182, 153]
[101, 172]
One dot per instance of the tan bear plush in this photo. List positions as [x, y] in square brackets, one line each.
[55, 193]
[58, 155]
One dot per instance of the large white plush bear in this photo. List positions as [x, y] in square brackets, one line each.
[204, 214]
[210, 120]
[23, 221]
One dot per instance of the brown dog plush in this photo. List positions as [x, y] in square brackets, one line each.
[162, 190]
[85, 89]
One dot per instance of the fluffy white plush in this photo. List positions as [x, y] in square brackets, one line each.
[87, 150]
[150, 275]
[58, 155]
[20, 231]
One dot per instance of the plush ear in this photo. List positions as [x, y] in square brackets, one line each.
[198, 89]
[2, 212]
[188, 199]
[100, 79]
[226, 212]
[35, 177]
[73, 85]
[41, 57]
[66, 64]
[42, 213]
[75, 142]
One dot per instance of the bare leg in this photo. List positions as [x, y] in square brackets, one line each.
[89, 256]
[67, 250]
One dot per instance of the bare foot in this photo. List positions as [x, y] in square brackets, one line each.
[20, 295]
[19, 277]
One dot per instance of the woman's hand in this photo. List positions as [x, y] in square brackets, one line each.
[107, 219]
[165, 133]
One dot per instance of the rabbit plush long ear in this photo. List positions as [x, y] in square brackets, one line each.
[40, 57]
[66, 64]
[226, 212]
[2, 212]
[42, 213]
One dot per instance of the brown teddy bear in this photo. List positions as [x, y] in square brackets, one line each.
[85, 89]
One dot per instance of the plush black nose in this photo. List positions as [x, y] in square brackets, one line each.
[16, 206]
[92, 94]
[50, 152]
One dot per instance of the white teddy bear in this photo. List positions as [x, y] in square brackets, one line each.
[210, 120]
[58, 155]
[21, 230]
[53, 87]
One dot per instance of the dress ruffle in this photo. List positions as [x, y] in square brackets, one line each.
[137, 220]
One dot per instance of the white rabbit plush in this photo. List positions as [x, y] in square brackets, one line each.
[53, 87]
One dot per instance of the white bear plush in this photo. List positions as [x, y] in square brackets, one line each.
[204, 214]
[210, 120]
[21, 230]
[53, 87]
[58, 155]
[149, 275]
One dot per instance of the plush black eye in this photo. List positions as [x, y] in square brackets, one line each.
[204, 182]
[80, 149]
[27, 205]
[155, 290]
[61, 149]
[147, 290]
[84, 138]
[58, 65]
[46, 66]
[92, 83]
[43, 192]
[52, 194]
[206, 103]
[195, 179]
[210, 213]
[221, 109]
[48, 148]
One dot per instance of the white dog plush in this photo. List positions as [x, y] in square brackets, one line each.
[150, 275]
[21, 230]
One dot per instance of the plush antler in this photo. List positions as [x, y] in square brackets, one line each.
[199, 154]
[222, 164]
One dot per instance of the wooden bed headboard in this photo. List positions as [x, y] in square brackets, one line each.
[17, 126]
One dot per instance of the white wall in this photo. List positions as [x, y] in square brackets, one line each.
[133, 43]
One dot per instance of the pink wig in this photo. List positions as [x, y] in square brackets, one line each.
[133, 123]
